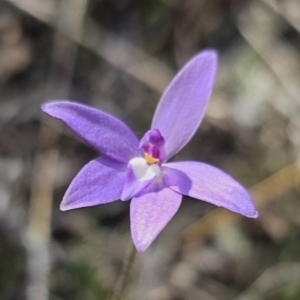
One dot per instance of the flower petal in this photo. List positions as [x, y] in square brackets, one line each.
[99, 182]
[209, 184]
[139, 176]
[150, 213]
[183, 104]
[103, 131]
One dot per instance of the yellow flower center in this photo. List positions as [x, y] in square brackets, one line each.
[150, 160]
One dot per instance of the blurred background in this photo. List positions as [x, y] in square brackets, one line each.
[119, 55]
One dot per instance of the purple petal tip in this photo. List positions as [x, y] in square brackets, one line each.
[211, 52]
[63, 207]
[253, 215]
[49, 106]
[141, 247]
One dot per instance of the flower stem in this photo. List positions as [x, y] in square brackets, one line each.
[124, 278]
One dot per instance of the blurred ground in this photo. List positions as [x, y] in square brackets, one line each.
[119, 55]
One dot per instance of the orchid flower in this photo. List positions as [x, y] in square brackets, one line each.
[138, 170]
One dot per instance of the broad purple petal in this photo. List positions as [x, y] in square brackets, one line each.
[103, 131]
[182, 106]
[150, 213]
[99, 182]
[207, 183]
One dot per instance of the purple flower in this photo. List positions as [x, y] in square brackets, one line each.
[138, 170]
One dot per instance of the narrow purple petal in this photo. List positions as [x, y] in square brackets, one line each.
[99, 182]
[150, 213]
[207, 183]
[101, 130]
[182, 106]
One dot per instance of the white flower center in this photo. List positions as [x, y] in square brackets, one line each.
[142, 170]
